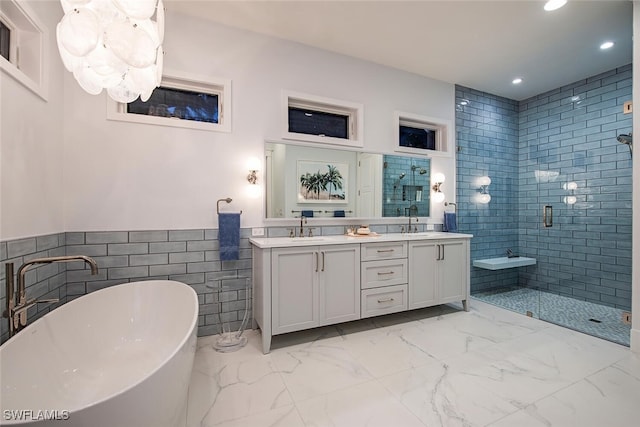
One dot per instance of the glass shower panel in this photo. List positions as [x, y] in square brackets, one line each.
[582, 264]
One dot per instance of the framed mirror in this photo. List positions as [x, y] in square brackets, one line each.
[329, 182]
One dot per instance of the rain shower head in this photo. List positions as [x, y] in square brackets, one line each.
[402, 175]
[423, 171]
[625, 139]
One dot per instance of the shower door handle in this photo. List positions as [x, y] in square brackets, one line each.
[547, 216]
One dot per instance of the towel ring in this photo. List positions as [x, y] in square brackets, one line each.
[228, 200]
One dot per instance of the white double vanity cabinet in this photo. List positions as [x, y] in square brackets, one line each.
[303, 283]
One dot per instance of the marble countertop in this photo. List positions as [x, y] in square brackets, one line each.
[280, 242]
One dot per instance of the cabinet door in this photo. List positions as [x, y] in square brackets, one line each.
[452, 271]
[294, 289]
[339, 283]
[422, 274]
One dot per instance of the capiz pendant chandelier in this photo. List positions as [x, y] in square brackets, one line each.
[114, 45]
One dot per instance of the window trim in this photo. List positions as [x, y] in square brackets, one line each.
[29, 33]
[13, 45]
[184, 81]
[443, 128]
[328, 105]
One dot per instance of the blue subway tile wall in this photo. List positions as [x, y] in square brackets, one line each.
[487, 145]
[406, 186]
[557, 149]
[569, 159]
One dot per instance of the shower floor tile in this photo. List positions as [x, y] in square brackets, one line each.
[593, 319]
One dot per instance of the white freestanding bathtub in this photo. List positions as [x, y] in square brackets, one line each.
[118, 357]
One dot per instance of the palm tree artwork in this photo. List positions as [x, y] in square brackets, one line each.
[322, 182]
[333, 178]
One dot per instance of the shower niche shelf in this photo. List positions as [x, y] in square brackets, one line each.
[503, 262]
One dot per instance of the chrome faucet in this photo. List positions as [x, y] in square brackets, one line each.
[412, 208]
[303, 221]
[18, 304]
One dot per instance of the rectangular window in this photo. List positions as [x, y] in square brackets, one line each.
[324, 120]
[23, 44]
[319, 123]
[417, 137]
[5, 41]
[183, 100]
[180, 104]
[422, 135]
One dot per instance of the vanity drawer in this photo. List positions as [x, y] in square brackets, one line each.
[378, 301]
[375, 274]
[386, 250]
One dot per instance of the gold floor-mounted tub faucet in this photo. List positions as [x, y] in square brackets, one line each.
[17, 303]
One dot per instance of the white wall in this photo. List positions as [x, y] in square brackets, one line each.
[124, 176]
[31, 146]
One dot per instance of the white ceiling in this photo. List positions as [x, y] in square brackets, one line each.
[475, 43]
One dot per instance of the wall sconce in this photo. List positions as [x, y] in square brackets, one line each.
[113, 45]
[571, 199]
[254, 166]
[437, 179]
[484, 197]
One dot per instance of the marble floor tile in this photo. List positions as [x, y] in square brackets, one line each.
[285, 416]
[606, 398]
[230, 386]
[386, 352]
[434, 367]
[315, 369]
[630, 364]
[442, 340]
[440, 397]
[535, 365]
[367, 404]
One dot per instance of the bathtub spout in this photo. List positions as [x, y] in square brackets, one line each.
[17, 306]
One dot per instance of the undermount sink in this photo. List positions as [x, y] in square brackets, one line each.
[307, 239]
[422, 234]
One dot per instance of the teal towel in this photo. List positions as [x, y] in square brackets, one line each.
[229, 236]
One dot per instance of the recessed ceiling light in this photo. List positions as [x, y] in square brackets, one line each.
[554, 4]
[606, 45]
[516, 81]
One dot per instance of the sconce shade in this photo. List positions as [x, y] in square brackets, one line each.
[437, 178]
[113, 45]
[484, 198]
[253, 164]
[484, 180]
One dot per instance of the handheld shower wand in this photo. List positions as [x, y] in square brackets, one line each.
[628, 140]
